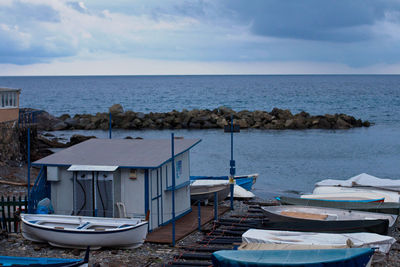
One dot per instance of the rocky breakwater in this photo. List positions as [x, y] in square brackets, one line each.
[277, 119]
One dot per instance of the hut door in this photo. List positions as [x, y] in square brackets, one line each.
[93, 193]
[156, 198]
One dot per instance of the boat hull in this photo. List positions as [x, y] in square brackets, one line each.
[245, 181]
[325, 257]
[38, 262]
[102, 235]
[207, 193]
[384, 207]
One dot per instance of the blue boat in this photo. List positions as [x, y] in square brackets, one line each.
[313, 258]
[245, 181]
[44, 262]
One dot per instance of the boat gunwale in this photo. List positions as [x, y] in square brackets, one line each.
[84, 230]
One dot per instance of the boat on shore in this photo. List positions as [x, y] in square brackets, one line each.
[306, 218]
[362, 183]
[323, 257]
[346, 197]
[245, 181]
[314, 240]
[44, 262]
[205, 190]
[82, 231]
[378, 207]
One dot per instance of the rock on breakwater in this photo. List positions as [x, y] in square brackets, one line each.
[277, 119]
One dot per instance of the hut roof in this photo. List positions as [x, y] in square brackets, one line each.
[133, 153]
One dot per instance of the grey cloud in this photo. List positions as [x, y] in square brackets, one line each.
[339, 20]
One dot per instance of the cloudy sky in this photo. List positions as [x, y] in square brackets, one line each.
[120, 37]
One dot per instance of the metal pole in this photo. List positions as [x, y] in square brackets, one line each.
[199, 215]
[29, 171]
[173, 189]
[110, 127]
[216, 206]
[232, 164]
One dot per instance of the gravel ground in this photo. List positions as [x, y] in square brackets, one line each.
[146, 255]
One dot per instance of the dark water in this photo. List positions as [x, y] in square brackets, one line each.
[286, 160]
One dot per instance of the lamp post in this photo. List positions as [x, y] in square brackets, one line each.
[232, 128]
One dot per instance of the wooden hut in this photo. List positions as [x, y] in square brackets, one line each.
[121, 177]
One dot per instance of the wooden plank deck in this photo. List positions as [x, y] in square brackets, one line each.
[184, 226]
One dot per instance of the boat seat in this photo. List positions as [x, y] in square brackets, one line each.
[121, 209]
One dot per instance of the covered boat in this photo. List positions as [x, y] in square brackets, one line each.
[83, 231]
[362, 183]
[379, 207]
[324, 257]
[347, 197]
[291, 239]
[245, 181]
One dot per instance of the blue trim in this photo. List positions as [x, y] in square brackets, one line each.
[146, 192]
[178, 217]
[184, 184]
[158, 202]
[162, 200]
[166, 175]
[176, 155]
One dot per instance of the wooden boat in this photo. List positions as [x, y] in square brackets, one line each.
[319, 219]
[205, 190]
[323, 257]
[81, 231]
[245, 181]
[313, 240]
[347, 197]
[380, 207]
[44, 262]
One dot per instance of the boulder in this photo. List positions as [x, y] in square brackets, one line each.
[116, 109]
[77, 138]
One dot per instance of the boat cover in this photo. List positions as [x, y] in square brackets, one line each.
[380, 207]
[363, 179]
[356, 240]
[323, 257]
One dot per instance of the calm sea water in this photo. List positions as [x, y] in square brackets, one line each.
[287, 161]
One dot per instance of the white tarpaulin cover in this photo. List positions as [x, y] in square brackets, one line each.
[363, 179]
[357, 240]
[92, 168]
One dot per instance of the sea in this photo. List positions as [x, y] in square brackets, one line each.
[289, 162]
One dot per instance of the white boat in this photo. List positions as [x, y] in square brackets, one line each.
[362, 183]
[205, 190]
[302, 240]
[81, 231]
[347, 197]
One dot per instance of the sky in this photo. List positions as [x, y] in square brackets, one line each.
[149, 37]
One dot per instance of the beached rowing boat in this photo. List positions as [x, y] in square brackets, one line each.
[362, 183]
[205, 190]
[379, 207]
[306, 258]
[291, 239]
[306, 218]
[81, 231]
[245, 181]
[347, 197]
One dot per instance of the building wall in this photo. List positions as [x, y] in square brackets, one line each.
[132, 192]
[9, 114]
[62, 193]
[182, 195]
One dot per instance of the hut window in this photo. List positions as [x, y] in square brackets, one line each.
[178, 169]
[132, 174]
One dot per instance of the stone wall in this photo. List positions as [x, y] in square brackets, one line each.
[13, 143]
[277, 119]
